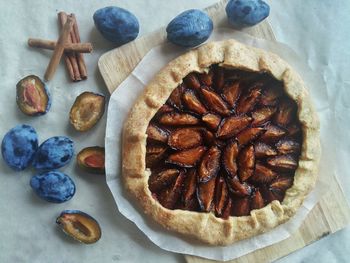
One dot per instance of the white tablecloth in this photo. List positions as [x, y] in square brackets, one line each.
[316, 31]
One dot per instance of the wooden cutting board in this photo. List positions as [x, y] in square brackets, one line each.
[332, 213]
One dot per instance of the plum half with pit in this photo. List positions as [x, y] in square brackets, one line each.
[80, 226]
[92, 159]
[33, 97]
[87, 110]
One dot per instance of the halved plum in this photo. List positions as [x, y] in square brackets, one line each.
[92, 159]
[33, 97]
[87, 110]
[79, 225]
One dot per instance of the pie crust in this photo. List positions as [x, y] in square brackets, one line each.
[206, 227]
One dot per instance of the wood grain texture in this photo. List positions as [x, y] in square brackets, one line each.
[332, 213]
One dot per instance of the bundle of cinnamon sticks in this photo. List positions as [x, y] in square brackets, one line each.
[67, 45]
[74, 61]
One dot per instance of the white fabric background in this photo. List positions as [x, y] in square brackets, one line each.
[317, 30]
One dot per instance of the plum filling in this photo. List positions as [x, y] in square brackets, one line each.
[226, 142]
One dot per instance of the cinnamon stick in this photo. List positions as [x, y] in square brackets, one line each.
[68, 47]
[59, 49]
[70, 58]
[80, 57]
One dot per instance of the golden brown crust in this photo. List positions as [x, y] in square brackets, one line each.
[205, 226]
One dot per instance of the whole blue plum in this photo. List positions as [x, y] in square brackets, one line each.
[190, 28]
[116, 24]
[18, 146]
[244, 13]
[54, 186]
[54, 153]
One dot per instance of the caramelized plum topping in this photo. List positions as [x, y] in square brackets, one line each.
[187, 158]
[230, 126]
[221, 196]
[249, 135]
[282, 183]
[209, 137]
[263, 174]
[206, 78]
[283, 163]
[185, 138]
[162, 179]
[209, 165]
[169, 197]
[154, 154]
[241, 207]
[227, 142]
[263, 150]
[247, 101]
[219, 78]
[228, 209]
[214, 102]
[165, 109]
[191, 81]
[175, 98]
[271, 94]
[205, 194]
[236, 187]
[155, 133]
[211, 120]
[286, 112]
[288, 146]
[190, 187]
[192, 102]
[262, 115]
[294, 130]
[231, 93]
[257, 200]
[178, 119]
[273, 133]
[246, 163]
[229, 158]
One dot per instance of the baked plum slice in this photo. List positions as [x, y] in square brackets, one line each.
[226, 142]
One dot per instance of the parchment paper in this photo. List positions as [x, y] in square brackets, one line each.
[122, 101]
